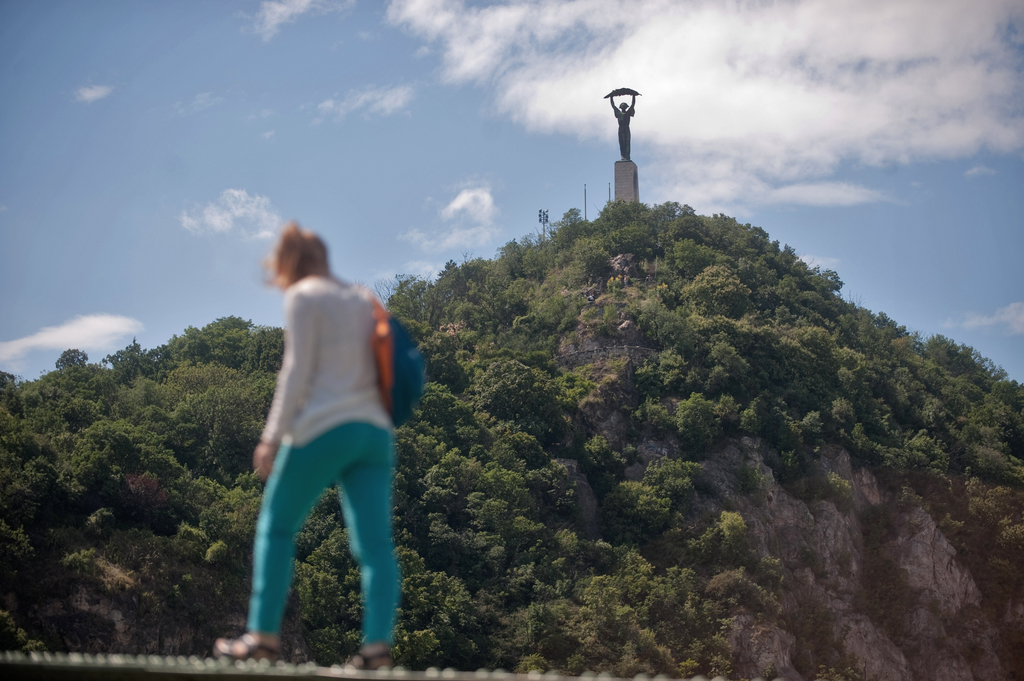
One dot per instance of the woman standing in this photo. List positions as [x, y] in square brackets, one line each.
[327, 425]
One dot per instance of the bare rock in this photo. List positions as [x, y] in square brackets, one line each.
[647, 452]
[878, 657]
[821, 548]
[834, 537]
[945, 593]
[623, 264]
[720, 471]
[866, 490]
[759, 647]
[1014, 613]
[935, 657]
[779, 524]
[984, 662]
[95, 621]
[585, 495]
[923, 551]
[833, 459]
[605, 411]
[103, 607]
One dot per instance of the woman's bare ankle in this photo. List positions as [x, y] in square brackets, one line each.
[268, 640]
[375, 649]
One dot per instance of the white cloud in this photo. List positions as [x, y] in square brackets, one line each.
[91, 93]
[85, 332]
[469, 217]
[822, 194]
[273, 15]
[746, 101]
[476, 203]
[822, 261]
[384, 101]
[456, 238]
[267, 135]
[203, 100]
[252, 216]
[977, 171]
[1009, 318]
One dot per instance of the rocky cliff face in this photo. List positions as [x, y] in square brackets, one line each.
[941, 634]
[896, 605]
[96, 621]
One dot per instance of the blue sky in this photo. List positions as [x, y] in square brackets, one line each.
[147, 149]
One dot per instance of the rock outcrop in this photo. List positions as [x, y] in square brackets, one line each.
[821, 546]
[648, 452]
[91, 620]
[606, 410]
[765, 648]
[585, 497]
[941, 633]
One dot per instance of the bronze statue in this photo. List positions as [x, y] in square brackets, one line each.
[623, 113]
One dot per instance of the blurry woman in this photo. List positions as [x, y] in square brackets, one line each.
[327, 425]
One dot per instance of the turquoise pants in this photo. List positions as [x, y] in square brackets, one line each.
[360, 458]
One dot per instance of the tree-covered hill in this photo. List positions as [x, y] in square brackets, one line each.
[616, 415]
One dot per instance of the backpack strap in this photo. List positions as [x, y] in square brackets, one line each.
[383, 345]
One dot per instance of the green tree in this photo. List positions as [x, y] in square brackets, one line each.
[72, 358]
[521, 396]
[698, 423]
[634, 513]
[718, 291]
[222, 342]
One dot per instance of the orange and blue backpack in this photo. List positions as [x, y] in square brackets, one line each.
[400, 365]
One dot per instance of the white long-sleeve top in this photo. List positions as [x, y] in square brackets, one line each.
[328, 376]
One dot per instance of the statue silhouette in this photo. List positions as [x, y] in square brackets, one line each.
[623, 113]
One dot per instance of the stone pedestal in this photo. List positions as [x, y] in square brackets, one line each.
[627, 182]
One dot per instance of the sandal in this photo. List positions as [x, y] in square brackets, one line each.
[246, 647]
[370, 660]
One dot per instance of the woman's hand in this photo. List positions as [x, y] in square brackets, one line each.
[263, 458]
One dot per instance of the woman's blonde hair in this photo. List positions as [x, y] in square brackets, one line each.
[298, 253]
